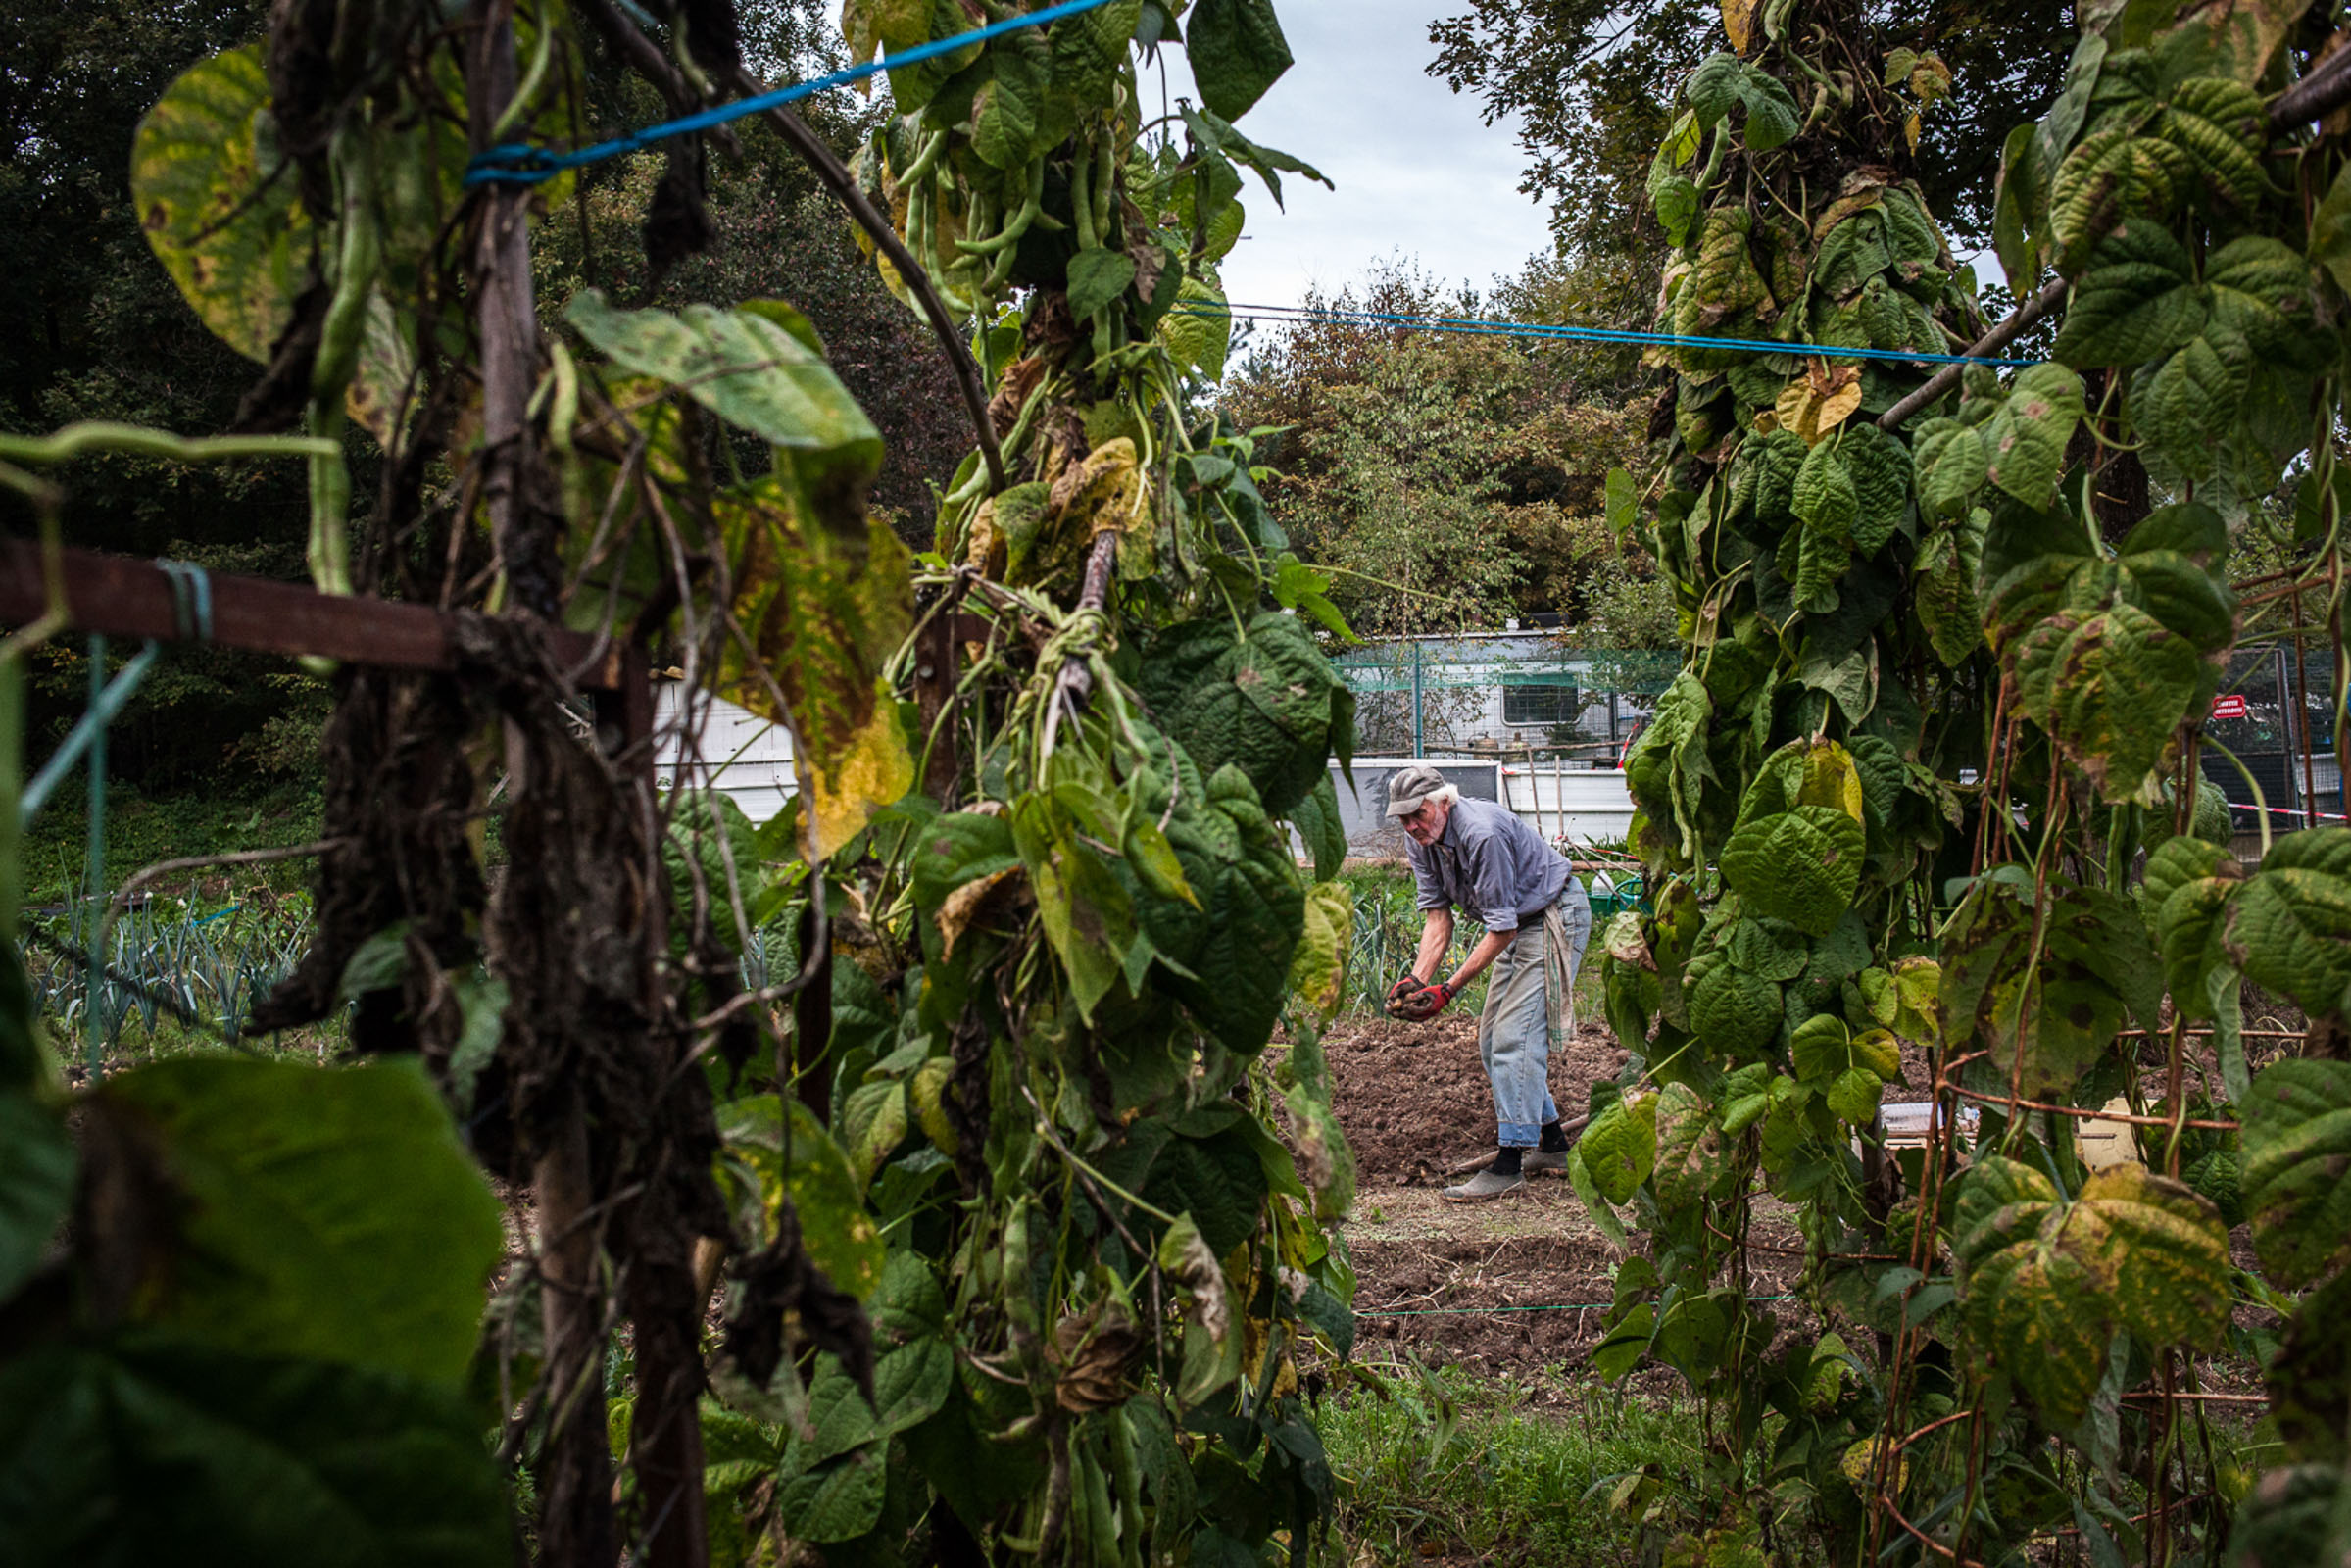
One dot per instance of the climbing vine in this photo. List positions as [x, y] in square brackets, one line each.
[954, 1086]
[1925, 807]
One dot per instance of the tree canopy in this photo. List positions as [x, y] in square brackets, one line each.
[1451, 481]
[1591, 85]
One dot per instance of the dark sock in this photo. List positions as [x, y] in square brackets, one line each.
[1506, 1163]
[1555, 1141]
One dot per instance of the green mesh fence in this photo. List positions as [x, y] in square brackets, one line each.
[1501, 695]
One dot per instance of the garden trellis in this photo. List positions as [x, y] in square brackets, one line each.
[166, 602]
[1939, 679]
[915, 1172]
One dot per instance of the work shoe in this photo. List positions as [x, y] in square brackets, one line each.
[1482, 1186]
[1544, 1162]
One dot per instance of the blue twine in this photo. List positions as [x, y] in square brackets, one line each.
[522, 163]
[1593, 334]
[192, 599]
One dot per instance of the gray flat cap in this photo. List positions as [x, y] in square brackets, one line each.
[1407, 787]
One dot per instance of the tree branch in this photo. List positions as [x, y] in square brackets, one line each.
[2033, 310]
[2325, 89]
[1076, 682]
[644, 57]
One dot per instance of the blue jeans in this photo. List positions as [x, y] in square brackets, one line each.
[1514, 1032]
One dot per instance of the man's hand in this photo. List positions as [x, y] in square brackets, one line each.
[1421, 1005]
[1402, 992]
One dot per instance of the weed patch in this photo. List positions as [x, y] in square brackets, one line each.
[1449, 1467]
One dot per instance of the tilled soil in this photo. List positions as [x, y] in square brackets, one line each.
[1413, 1098]
[1516, 1284]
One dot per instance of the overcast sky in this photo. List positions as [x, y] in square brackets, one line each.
[1417, 174]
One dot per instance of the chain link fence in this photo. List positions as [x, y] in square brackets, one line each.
[2269, 743]
[1503, 696]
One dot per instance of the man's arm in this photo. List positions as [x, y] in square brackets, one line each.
[1489, 948]
[1435, 935]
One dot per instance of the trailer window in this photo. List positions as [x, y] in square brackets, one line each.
[1549, 702]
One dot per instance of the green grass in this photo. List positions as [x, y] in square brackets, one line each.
[141, 831]
[1450, 1466]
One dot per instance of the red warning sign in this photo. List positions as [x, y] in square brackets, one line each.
[2230, 706]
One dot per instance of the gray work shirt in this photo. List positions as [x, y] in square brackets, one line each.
[1497, 869]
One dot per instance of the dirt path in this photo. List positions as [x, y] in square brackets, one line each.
[1519, 1284]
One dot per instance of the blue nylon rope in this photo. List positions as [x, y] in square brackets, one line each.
[192, 610]
[1479, 1311]
[192, 599]
[1592, 334]
[522, 163]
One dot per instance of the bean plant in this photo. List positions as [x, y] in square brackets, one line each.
[978, 1168]
[1924, 810]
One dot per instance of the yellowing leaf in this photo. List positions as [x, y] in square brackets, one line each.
[1830, 778]
[1739, 22]
[821, 618]
[1318, 968]
[1879, 1051]
[846, 789]
[1861, 1460]
[984, 549]
[816, 1180]
[2049, 1282]
[1918, 984]
[960, 907]
[928, 1089]
[387, 362]
[874, 1121]
[1814, 406]
[1104, 494]
[231, 230]
[2240, 36]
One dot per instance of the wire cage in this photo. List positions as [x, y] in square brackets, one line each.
[1511, 694]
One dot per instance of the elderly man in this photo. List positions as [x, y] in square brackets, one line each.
[1479, 856]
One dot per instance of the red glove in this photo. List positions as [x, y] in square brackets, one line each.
[1409, 986]
[1425, 1003]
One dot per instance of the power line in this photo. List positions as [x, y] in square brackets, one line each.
[1330, 315]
